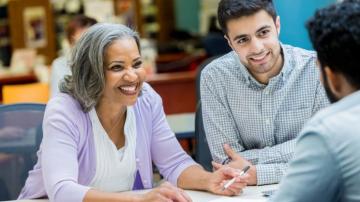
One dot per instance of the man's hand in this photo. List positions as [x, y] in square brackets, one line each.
[238, 162]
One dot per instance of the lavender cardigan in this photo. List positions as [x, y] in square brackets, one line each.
[66, 158]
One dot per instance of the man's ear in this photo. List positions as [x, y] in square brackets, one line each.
[228, 41]
[334, 81]
[277, 24]
[318, 65]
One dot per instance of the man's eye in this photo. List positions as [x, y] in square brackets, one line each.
[264, 32]
[242, 41]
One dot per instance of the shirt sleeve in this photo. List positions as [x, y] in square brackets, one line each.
[59, 156]
[321, 99]
[312, 174]
[272, 162]
[220, 128]
[166, 151]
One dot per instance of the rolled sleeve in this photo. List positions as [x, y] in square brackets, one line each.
[270, 173]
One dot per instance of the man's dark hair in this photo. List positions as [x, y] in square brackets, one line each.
[335, 35]
[232, 9]
[78, 22]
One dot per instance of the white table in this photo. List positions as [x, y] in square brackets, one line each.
[250, 194]
[183, 125]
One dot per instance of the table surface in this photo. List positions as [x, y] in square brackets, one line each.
[182, 123]
[250, 194]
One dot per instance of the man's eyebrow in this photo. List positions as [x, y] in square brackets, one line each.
[239, 36]
[263, 27]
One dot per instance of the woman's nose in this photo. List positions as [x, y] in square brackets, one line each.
[130, 75]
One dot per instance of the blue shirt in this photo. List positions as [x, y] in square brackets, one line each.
[260, 122]
[326, 164]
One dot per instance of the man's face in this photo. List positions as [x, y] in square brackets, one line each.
[255, 39]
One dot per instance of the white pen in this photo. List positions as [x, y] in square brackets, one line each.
[230, 182]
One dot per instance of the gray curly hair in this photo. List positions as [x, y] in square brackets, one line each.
[87, 81]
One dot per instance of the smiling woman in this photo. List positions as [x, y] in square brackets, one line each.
[106, 129]
[124, 73]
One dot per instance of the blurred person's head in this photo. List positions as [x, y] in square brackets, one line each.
[252, 29]
[106, 65]
[335, 34]
[77, 26]
[122, 6]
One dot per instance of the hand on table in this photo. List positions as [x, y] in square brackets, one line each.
[166, 192]
[221, 176]
[238, 162]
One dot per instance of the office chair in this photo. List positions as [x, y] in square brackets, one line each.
[202, 151]
[20, 137]
[34, 93]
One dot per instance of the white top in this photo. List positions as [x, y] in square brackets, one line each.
[59, 68]
[115, 169]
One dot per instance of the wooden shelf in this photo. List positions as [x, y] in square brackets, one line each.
[177, 90]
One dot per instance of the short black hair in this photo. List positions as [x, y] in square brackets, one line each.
[232, 9]
[335, 34]
[76, 23]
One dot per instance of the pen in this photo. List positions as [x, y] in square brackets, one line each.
[230, 182]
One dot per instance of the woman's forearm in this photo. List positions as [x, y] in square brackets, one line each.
[99, 196]
[194, 177]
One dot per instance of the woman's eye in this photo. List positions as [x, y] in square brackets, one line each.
[117, 68]
[137, 65]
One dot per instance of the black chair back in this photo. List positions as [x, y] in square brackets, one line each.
[202, 151]
[20, 137]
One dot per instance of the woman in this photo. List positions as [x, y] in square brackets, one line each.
[103, 132]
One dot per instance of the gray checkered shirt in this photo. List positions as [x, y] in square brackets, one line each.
[259, 121]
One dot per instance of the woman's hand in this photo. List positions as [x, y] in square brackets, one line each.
[224, 174]
[166, 193]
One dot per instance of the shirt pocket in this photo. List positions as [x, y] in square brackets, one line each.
[290, 122]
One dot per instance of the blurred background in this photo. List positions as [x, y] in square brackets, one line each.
[178, 38]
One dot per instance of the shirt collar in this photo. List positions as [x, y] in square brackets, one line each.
[286, 68]
[339, 106]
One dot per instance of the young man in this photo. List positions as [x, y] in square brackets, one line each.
[257, 97]
[326, 164]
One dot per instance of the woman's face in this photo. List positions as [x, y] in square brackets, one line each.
[124, 74]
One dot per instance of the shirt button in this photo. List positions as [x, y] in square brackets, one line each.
[267, 121]
[137, 159]
[266, 92]
[145, 181]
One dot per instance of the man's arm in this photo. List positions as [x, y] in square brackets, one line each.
[280, 153]
[312, 174]
[259, 174]
[220, 128]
